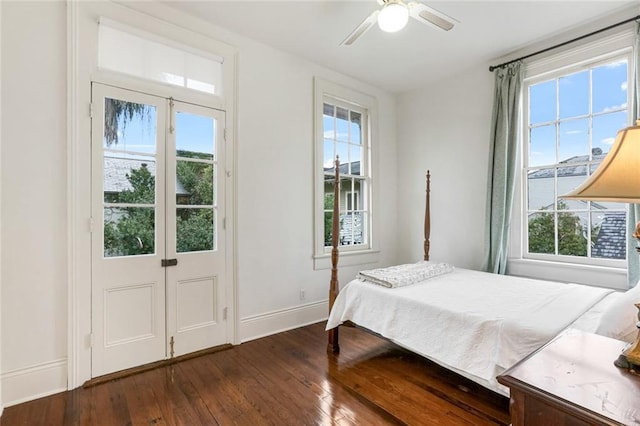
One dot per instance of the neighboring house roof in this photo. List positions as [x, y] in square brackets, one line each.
[344, 168]
[574, 166]
[117, 169]
[611, 242]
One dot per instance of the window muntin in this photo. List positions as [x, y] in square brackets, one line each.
[344, 135]
[571, 122]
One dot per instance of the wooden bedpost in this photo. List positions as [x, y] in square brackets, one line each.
[427, 218]
[335, 234]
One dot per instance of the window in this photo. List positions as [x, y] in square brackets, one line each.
[572, 116]
[343, 137]
[140, 54]
[343, 124]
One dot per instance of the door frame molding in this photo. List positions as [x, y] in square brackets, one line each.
[81, 71]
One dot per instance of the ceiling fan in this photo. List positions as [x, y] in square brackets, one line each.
[394, 14]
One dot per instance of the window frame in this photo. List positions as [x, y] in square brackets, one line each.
[587, 65]
[325, 91]
[594, 271]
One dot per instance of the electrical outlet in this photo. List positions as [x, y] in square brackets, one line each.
[302, 295]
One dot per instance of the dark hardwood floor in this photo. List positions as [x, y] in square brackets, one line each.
[285, 379]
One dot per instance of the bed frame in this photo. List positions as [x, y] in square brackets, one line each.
[334, 288]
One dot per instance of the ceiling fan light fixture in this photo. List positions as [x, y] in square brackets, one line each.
[393, 17]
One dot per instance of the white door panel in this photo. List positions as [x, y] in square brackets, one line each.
[128, 291]
[196, 284]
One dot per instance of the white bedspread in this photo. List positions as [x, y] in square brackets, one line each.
[472, 322]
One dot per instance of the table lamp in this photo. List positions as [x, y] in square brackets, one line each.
[617, 179]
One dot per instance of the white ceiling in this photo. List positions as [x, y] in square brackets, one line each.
[418, 54]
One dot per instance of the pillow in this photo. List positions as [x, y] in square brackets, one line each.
[620, 318]
[403, 275]
[590, 320]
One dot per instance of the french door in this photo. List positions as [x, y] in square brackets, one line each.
[158, 240]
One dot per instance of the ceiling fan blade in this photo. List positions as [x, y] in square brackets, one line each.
[427, 15]
[361, 29]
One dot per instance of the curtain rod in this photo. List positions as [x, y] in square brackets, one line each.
[626, 21]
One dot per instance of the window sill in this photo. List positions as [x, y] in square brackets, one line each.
[347, 258]
[599, 276]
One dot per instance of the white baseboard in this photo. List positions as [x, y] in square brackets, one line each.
[285, 319]
[26, 384]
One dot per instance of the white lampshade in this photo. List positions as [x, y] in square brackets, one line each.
[393, 17]
[617, 178]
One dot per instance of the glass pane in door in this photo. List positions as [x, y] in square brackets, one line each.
[195, 229]
[129, 231]
[129, 126]
[129, 178]
[195, 136]
[194, 183]
[196, 170]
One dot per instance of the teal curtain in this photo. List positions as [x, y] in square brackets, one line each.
[633, 262]
[505, 135]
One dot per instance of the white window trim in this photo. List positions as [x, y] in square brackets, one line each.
[348, 257]
[596, 272]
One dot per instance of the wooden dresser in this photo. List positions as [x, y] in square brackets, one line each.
[572, 381]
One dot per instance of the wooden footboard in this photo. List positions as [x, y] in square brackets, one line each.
[334, 345]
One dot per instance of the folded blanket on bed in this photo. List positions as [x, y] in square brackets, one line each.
[403, 275]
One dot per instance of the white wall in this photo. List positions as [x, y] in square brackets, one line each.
[33, 196]
[445, 128]
[274, 176]
[275, 186]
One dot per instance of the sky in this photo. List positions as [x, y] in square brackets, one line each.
[609, 113]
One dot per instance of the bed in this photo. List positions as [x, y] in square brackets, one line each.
[474, 323]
